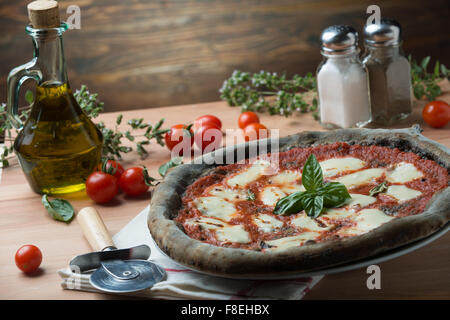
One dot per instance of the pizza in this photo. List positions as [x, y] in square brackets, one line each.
[222, 219]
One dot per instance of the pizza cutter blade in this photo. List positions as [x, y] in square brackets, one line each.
[118, 270]
[126, 276]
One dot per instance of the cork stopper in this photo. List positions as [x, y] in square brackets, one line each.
[43, 14]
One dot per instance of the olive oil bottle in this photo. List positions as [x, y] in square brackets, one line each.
[58, 146]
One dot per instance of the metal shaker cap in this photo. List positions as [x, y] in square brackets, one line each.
[339, 39]
[385, 33]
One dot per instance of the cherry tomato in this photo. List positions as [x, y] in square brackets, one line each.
[116, 165]
[28, 258]
[132, 181]
[208, 138]
[255, 131]
[247, 118]
[436, 114]
[207, 120]
[101, 187]
[180, 135]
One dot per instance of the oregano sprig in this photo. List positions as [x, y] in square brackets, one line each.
[424, 83]
[268, 91]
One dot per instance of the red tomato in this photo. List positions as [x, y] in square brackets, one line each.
[101, 187]
[436, 114]
[247, 118]
[255, 131]
[132, 181]
[28, 258]
[116, 165]
[208, 138]
[179, 136]
[207, 120]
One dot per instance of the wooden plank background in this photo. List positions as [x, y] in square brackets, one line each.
[140, 54]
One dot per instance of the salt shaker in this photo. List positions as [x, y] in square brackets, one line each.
[389, 72]
[342, 80]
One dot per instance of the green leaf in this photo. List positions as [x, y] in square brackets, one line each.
[444, 70]
[250, 195]
[29, 97]
[59, 209]
[313, 205]
[334, 194]
[424, 63]
[290, 204]
[119, 119]
[312, 177]
[170, 164]
[436, 70]
[382, 187]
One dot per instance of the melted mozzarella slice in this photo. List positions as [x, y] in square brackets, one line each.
[305, 222]
[267, 223]
[256, 170]
[366, 220]
[402, 193]
[215, 207]
[403, 172]
[334, 166]
[232, 233]
[224, 231]
[360, 200]
[227, 194]
[288, 242]
[360, 178]
[288, 189]
[286, 177]
[206, 223]
[337, 213]
[270, 195]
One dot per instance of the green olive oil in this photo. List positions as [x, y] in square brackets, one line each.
[58, 146]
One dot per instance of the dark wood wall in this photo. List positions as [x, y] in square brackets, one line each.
[140, 54]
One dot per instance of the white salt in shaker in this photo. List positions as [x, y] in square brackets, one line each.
[342, 80]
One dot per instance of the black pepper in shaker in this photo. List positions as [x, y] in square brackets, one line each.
[389, 72]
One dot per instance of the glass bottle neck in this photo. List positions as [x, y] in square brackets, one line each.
[49, 55]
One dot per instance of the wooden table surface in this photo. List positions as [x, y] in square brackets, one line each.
[23, 220]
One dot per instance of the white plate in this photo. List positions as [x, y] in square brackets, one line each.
[389, 255]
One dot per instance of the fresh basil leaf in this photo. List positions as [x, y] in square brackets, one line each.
[334, 194]
[58, 209]
[170, 164]
[382, 187]
[312, 177]
[290, 204]
[313, 205]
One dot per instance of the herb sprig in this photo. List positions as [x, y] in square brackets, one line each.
[318, 195]
[255, 92]
[425, 83]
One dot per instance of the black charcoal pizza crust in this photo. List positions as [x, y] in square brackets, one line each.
[241, 263]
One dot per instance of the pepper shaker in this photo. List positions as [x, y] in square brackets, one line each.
[342, 81]
[389, 72]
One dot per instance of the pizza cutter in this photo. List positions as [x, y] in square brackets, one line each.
[118, 270]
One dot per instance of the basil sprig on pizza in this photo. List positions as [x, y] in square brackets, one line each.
[317, 196]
